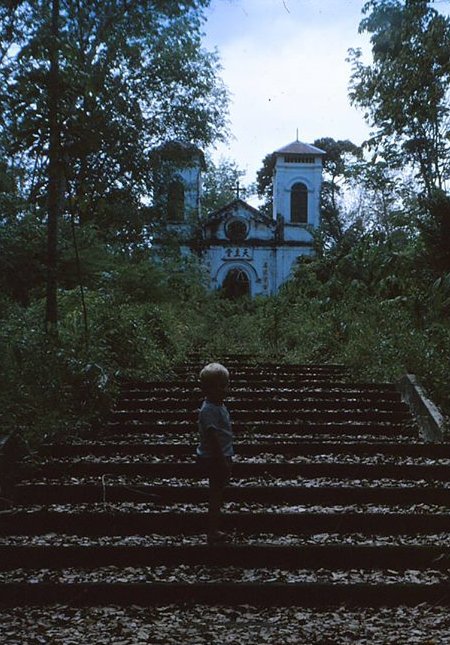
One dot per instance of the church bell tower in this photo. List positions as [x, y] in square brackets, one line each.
[177, 171]
[297, 179]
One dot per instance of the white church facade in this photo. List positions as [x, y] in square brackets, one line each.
[243, 250]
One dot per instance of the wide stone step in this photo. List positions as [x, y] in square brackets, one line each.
[255, 438]
[262, 382]
[96, 522]
[260, 364]
[288, 449]
[257, 375]
[312, 557]
[192, 392]
[296, 382]
[297, 540]
[261, 405]
[198, 355]
[267, 594]
[63, 493]
[289, 416]
[181, 395]
[263, 427]
[269, 369]
[55, 468]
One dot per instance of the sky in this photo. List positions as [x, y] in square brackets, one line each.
[284, 63]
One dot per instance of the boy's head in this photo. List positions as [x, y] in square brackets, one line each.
[214, 379]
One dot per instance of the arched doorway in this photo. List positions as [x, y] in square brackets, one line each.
[236, 284]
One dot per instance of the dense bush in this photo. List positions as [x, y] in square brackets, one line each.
[134, 328]
[372, 305]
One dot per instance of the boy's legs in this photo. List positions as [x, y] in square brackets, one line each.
[218, 481]
[216, 490]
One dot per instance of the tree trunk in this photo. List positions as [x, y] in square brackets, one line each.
[54, 173]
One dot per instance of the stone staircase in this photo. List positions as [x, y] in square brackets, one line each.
[334, 499]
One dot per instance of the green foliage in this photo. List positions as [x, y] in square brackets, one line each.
[404, 91]
[338, 163]
[49, 386]
[434, 226]
[132, 74]
[44, 387]
[376, 297]
[220, 183]
[22, 259]
[228, 326]
[367, 303]
[264, 186]
[140, 314]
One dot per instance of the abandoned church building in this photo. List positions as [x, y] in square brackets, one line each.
[243, 250]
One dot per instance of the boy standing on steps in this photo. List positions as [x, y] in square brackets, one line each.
[215, 449]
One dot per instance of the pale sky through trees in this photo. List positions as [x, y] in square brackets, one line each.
[284, 62]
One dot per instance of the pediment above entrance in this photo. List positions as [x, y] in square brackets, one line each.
[238, 221]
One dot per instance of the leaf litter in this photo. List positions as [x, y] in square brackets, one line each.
[196, 624]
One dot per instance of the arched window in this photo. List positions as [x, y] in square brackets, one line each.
[299, 203]
[175, 202]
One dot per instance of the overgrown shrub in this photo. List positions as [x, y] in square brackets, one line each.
[65, 384]
[371, 308]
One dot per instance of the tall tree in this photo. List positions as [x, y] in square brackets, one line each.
[121, 77]
[338, 163]
[133, 73]
[384, 199]
[54, 169]
[404, 91]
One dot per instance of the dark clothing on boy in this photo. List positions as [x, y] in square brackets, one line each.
[217, 418]
[214, 456]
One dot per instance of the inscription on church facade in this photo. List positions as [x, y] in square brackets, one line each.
[238, 253]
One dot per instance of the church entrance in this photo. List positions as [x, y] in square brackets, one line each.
[236, 284]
